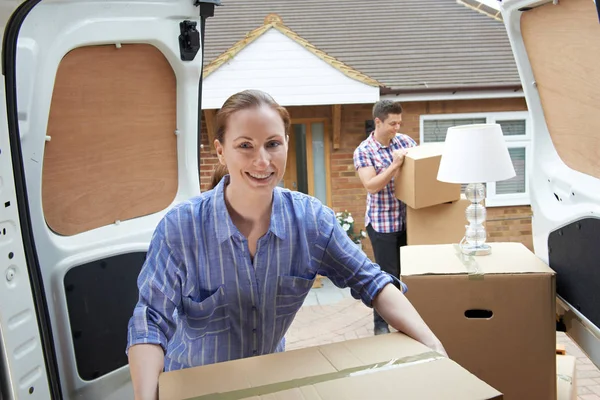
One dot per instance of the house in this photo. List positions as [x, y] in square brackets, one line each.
[328, 62]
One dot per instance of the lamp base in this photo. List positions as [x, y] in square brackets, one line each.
[478, 250]
[475, 236]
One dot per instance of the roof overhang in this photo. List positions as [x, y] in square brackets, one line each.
[453, 93]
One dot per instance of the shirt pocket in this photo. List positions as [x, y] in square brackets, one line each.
[207, 317]
[291, 292]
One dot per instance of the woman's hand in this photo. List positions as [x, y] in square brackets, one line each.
[438, 347]
[395, 308]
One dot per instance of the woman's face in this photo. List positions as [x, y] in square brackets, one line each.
[255, 149]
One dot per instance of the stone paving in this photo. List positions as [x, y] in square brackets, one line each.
[331, 315]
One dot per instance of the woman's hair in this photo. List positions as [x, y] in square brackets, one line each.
[238, 102]
[219, 172]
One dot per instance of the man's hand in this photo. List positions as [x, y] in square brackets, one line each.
[398, 157]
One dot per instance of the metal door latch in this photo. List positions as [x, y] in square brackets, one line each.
[189, 40]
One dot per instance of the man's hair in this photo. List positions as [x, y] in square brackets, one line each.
[383, 108]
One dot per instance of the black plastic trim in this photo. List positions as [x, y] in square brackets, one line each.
[574, 253]
[98, 321]
[207, 10]
[9, 57]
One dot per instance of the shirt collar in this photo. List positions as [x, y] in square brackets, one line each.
[224, 225]
[375, 145]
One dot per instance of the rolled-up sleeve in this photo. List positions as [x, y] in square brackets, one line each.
[159, 287]
[348, 266]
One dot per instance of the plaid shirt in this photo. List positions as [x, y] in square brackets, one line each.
[384, 212]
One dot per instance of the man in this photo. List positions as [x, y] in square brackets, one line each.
[377, 160]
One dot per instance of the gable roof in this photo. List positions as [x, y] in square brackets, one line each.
[405, 45]
[273, 21]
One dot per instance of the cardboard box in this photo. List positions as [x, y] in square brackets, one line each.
[378, 367]
[495, 314]
[416, 182]
[566, 379]
[440, 224]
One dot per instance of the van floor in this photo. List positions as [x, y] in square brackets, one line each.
[330, 314]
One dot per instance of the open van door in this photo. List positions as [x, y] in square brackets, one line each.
[99, 127]
[557, 50]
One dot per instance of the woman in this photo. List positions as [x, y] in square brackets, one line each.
[227, 271]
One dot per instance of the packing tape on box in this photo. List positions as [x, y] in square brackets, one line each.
[474, 271]
[313, 380]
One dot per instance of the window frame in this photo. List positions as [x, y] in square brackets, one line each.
[512, 141]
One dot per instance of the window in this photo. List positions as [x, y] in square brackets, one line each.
[515, 126]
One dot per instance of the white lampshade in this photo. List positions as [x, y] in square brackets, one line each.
[475, 154]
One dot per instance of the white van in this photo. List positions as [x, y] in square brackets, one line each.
[99, 128]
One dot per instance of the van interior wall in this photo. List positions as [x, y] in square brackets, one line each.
[112, 149]
[561, 59]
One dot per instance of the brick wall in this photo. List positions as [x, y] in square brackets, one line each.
[504, 223]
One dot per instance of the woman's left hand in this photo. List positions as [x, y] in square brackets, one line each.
[438, 347]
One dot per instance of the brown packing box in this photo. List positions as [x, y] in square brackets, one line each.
[416, 182]
[440, 224]
[566, 379]
[378, 367]
[514, 350]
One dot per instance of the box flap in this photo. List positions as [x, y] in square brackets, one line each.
[425, 150]
[506, 258]
[353, 353]
[353, 368]
[439, 380]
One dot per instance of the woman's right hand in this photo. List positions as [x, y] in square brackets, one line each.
[146, 362]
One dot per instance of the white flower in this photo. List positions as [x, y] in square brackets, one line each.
[346, 227]
[364, 234]
[338, 214]
[350, 220]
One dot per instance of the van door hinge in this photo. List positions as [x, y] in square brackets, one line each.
[189, 40]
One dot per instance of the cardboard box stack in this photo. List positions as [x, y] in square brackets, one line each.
[378, 367]
[495, 314]
[435, 210]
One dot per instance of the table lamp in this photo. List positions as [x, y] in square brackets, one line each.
[475, 154]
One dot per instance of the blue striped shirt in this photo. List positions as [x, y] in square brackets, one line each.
[205, 300]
